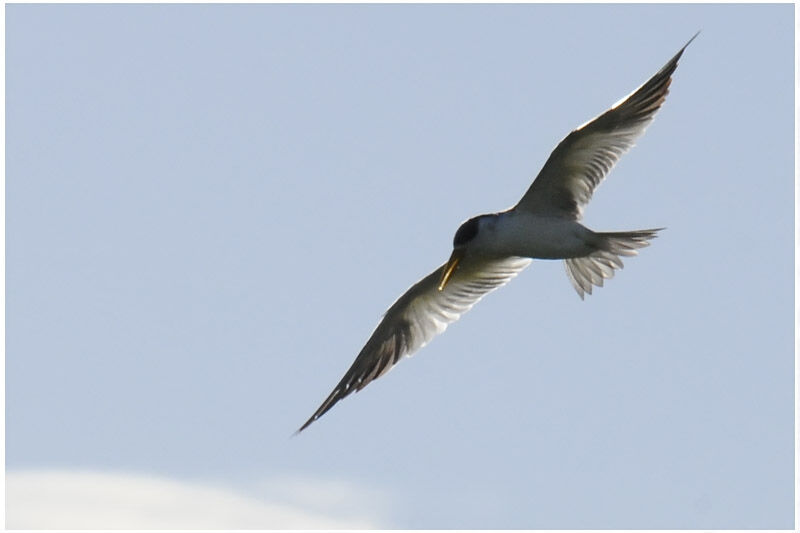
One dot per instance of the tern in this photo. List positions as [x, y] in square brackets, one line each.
[490, 250]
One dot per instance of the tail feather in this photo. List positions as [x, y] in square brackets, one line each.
[593, 269]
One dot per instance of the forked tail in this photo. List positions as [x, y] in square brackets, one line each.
[600, 265]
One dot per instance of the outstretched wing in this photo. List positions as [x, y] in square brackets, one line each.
[417, 317]
[581, 161]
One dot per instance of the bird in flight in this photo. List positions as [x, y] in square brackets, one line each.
[489, 250]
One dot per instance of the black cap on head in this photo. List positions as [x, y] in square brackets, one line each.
[466, 232]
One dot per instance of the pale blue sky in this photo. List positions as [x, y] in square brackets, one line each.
[210, 207]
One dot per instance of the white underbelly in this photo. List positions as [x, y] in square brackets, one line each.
[541, 237]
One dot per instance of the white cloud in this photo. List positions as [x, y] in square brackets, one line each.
[98, 500]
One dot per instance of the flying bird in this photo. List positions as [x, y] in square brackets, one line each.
[489, 250]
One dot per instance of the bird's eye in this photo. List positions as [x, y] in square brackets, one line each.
[466, 232]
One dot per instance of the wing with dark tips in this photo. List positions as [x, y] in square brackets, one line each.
[417, 317]
[581, 161]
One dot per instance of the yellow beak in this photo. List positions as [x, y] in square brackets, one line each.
[450, 267]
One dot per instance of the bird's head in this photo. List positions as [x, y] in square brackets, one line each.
[466, 235]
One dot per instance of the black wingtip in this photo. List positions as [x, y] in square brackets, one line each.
[304, 426]
[310, 421]
[667, 70]
[333, 398]
[692, 39]
[677, 56]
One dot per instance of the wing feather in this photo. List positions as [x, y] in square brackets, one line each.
[417, 317]
[583, 159]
